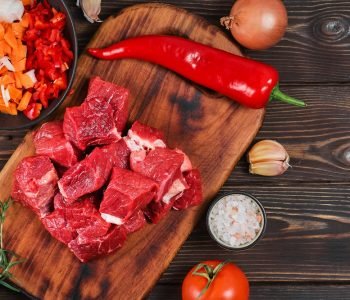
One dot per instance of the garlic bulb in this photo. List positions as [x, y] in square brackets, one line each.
[268, 158]
[91, 9]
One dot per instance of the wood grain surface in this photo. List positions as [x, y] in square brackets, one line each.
[317, 137]
[313, 60]
[306, 239]
[316, 42]
[205, 125]
[270, 292]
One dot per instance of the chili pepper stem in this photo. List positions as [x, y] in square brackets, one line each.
[277, 94]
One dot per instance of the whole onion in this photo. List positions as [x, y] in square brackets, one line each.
[257, 24]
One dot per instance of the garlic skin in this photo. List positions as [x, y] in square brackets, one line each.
[268, 158]
[91, 9]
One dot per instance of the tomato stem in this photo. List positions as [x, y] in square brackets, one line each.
[208, 274]
[209, 270]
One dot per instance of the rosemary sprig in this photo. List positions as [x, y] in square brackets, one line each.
[8, 259]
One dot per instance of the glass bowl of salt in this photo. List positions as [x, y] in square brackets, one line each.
[236, 221]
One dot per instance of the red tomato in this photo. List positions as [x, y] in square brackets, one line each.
[230, 283]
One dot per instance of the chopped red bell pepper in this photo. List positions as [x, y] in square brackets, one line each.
[33, 111]
[48, 52]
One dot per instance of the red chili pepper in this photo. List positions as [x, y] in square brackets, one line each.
[247, 81]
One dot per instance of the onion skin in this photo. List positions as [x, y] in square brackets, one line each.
[258, 24]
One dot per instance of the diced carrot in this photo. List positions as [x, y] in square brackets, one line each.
[10, 38]
[27, 83]
[7, 79]
[18, 30]
[11, 109]
[2, 32]
[18, 80]
[22, 50]
[3, 70]
[24, 101]
[20, 53]
[4, 108]
[19, 65]
[27, 2]
[2, 103]
[15, 94]
[16, 83]
[25, 20]
[5, 25]
[5, 49]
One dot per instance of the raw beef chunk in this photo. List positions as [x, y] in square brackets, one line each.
[176, 189]
[81, 227]
[86, 176]
[60, 203]
[118, 153]
[49, 140]
[115, 95]
[193, 195]
[126, 193]
[136, 222]
[155, 211]
[79, 219]
[87, 249]
[163, 165]
[35, 184]
[56, 224]
[143, 137]
[91, 123]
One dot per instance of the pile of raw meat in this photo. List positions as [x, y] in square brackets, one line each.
[91, 187]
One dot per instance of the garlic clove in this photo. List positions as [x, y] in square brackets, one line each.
[269, 168]
[267, 150]
[268, 158]
[91, 9]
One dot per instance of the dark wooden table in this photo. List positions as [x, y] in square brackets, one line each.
[306, 250]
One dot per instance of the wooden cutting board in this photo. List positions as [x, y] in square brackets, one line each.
[212, 130]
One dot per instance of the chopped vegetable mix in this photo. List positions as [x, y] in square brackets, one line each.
[34, 59]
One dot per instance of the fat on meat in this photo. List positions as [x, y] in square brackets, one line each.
[193, 195]
[126, 193]
[143, 137]
[35, 184]
[163, 165]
